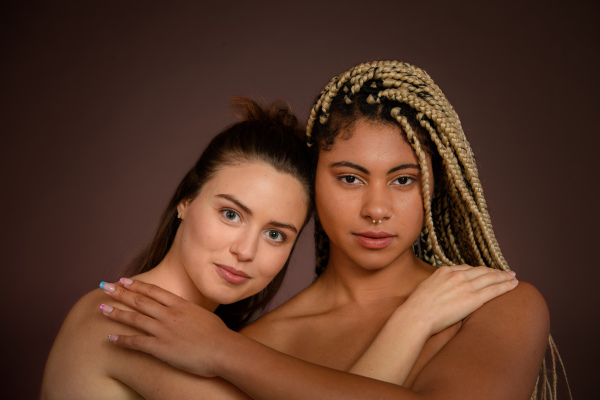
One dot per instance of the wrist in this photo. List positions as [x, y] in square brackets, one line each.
[225, 353]
[236, 354]
[418, 320]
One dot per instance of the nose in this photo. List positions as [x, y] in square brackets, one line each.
[377, 203]
[244, 245]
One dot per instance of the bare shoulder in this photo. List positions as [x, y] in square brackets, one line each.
[504, 341]
[522, 308]
[82, 362]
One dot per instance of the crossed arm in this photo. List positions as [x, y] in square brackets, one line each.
[496, 354]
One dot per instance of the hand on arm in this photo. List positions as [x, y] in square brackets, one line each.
[195, 340]
[264, 373]
[443, 299]
[180, 332]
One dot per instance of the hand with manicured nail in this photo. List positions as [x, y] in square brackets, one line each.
[183, 334]
[180, 333]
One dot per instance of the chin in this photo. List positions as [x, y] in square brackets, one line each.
[375, 262]
[229, 296]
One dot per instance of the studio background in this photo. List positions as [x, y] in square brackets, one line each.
[104, 105]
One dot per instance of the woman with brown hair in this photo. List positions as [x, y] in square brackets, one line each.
[223, 243]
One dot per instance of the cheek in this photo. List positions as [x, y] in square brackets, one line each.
[199, 236]
[272, 262]
[329, 203]
[413, 213]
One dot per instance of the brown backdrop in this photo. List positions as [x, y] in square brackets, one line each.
[105, 104]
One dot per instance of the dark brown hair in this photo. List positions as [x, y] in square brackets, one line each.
[269, 134]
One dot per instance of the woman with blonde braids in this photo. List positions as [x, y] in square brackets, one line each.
[399, 210]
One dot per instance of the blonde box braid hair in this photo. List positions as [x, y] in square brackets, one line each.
[458, 228]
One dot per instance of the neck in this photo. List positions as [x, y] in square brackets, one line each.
[170, 275]
[347, 282]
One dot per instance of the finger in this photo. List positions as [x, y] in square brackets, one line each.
[134, 300]
[471, 273]
[492, 291]
[140, 343]
[462, 267]
[152, 291]
[133, 319]
[483, 278]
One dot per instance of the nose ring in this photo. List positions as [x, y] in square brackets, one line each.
[376, 222]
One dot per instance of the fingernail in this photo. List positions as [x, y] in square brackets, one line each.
[113, 338]
[126, 281]
[512, 273]
[107, 287]
[106, 309]
[515, 282]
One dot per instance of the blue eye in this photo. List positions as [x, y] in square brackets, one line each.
[231, 215]
[276, 236]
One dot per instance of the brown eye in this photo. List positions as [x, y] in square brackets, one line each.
[404, 180]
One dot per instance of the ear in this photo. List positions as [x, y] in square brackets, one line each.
[182, 206]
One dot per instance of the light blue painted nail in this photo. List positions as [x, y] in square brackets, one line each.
[107, 287]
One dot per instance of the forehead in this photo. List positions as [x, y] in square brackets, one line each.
[260, 187]
[372, 142]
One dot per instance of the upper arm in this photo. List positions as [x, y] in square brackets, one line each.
[84, 364]
[76, 366]
[154, 379]
[496, 354]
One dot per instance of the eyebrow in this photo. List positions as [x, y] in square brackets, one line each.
[249, 212]
[284, 226]
[236, 202]
[366, 171]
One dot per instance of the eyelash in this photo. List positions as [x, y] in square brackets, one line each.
[411, 180]
[229, 210]
[281, 234]
[282, 238]
[343, 179]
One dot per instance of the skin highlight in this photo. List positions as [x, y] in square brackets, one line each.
[224, 240]
[371, 311]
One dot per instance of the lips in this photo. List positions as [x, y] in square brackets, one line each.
[374, 240]
[231, 274]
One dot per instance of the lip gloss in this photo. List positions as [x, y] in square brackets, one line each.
[374, 240]
[231, 274]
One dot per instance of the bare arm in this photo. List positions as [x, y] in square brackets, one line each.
[443, 299]
[496, 355]
[261, 372]
[83, 364]
[260, 359]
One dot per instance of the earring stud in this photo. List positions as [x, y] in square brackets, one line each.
[179, 215]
